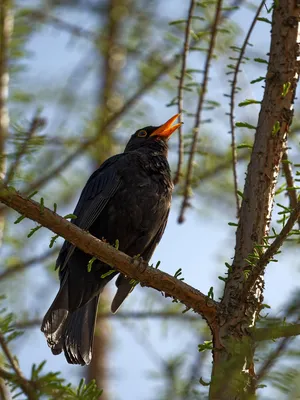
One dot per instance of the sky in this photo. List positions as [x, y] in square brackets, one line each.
[200, 246]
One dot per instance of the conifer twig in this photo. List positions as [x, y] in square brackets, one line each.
[232, 103]
[188, 179]
[180, 90]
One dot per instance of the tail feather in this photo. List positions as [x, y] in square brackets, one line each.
[70, 331]
[79, 333]
[54, 322]
[124, 288]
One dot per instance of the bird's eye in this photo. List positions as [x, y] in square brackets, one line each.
[142, 134]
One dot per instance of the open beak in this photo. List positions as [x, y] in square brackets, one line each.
[168, 128]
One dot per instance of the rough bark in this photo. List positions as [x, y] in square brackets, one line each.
[233, 347]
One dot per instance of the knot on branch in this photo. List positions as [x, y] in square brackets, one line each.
[292, 22]
[287, 115]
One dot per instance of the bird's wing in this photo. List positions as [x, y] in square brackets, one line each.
[99, 189]
[123, 283]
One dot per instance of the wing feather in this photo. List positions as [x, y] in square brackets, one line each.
[99, 189]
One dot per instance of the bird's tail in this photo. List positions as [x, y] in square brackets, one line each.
[70, 331]
[124, 286]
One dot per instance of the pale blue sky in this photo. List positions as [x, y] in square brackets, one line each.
[200, 246]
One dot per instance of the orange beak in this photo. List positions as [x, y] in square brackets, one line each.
[168, 128]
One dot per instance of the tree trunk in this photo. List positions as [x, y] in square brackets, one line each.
[233, 375]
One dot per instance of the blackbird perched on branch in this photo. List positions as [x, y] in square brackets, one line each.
[127, 200]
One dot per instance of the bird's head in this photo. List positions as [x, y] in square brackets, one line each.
[150, 135]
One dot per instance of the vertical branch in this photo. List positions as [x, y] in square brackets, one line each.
[269, 143]
[6, 25]
[239, 311]
[188, 180]
[180, 90]
[232, 103]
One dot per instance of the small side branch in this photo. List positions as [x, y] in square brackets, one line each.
[232, 103]
[21, 266]
[272, 250]
[35, 125]
[188, 180]
[267, 365]
[26, 385]
[276, 332]
[180, 89]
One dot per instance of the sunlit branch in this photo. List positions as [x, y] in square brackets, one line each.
[188, 178]
[181, 87]
[232, 103]
[134, 268]
[272, 249]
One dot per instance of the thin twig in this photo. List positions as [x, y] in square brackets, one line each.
[28, 263]
[287, 331]
[272, 250]
[195, 370]
[24, 384]
[63, 25]
[276, 332]
[288, 173]
[232, 103]
[35, 124]
[272, 358]
[187, 185]
[180, 90]
[136, 315]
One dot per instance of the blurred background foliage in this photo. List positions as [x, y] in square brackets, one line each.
[84, 76]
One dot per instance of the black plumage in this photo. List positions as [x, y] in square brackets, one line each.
[127, 199]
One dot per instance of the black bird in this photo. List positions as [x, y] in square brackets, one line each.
[127, 200]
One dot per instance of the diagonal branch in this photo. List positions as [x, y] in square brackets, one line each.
[273, 357]
[18, 267]
[232, 103]
[188, 179]
[272, 250]
[134, 268]
[76, 30]
[26, 385]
